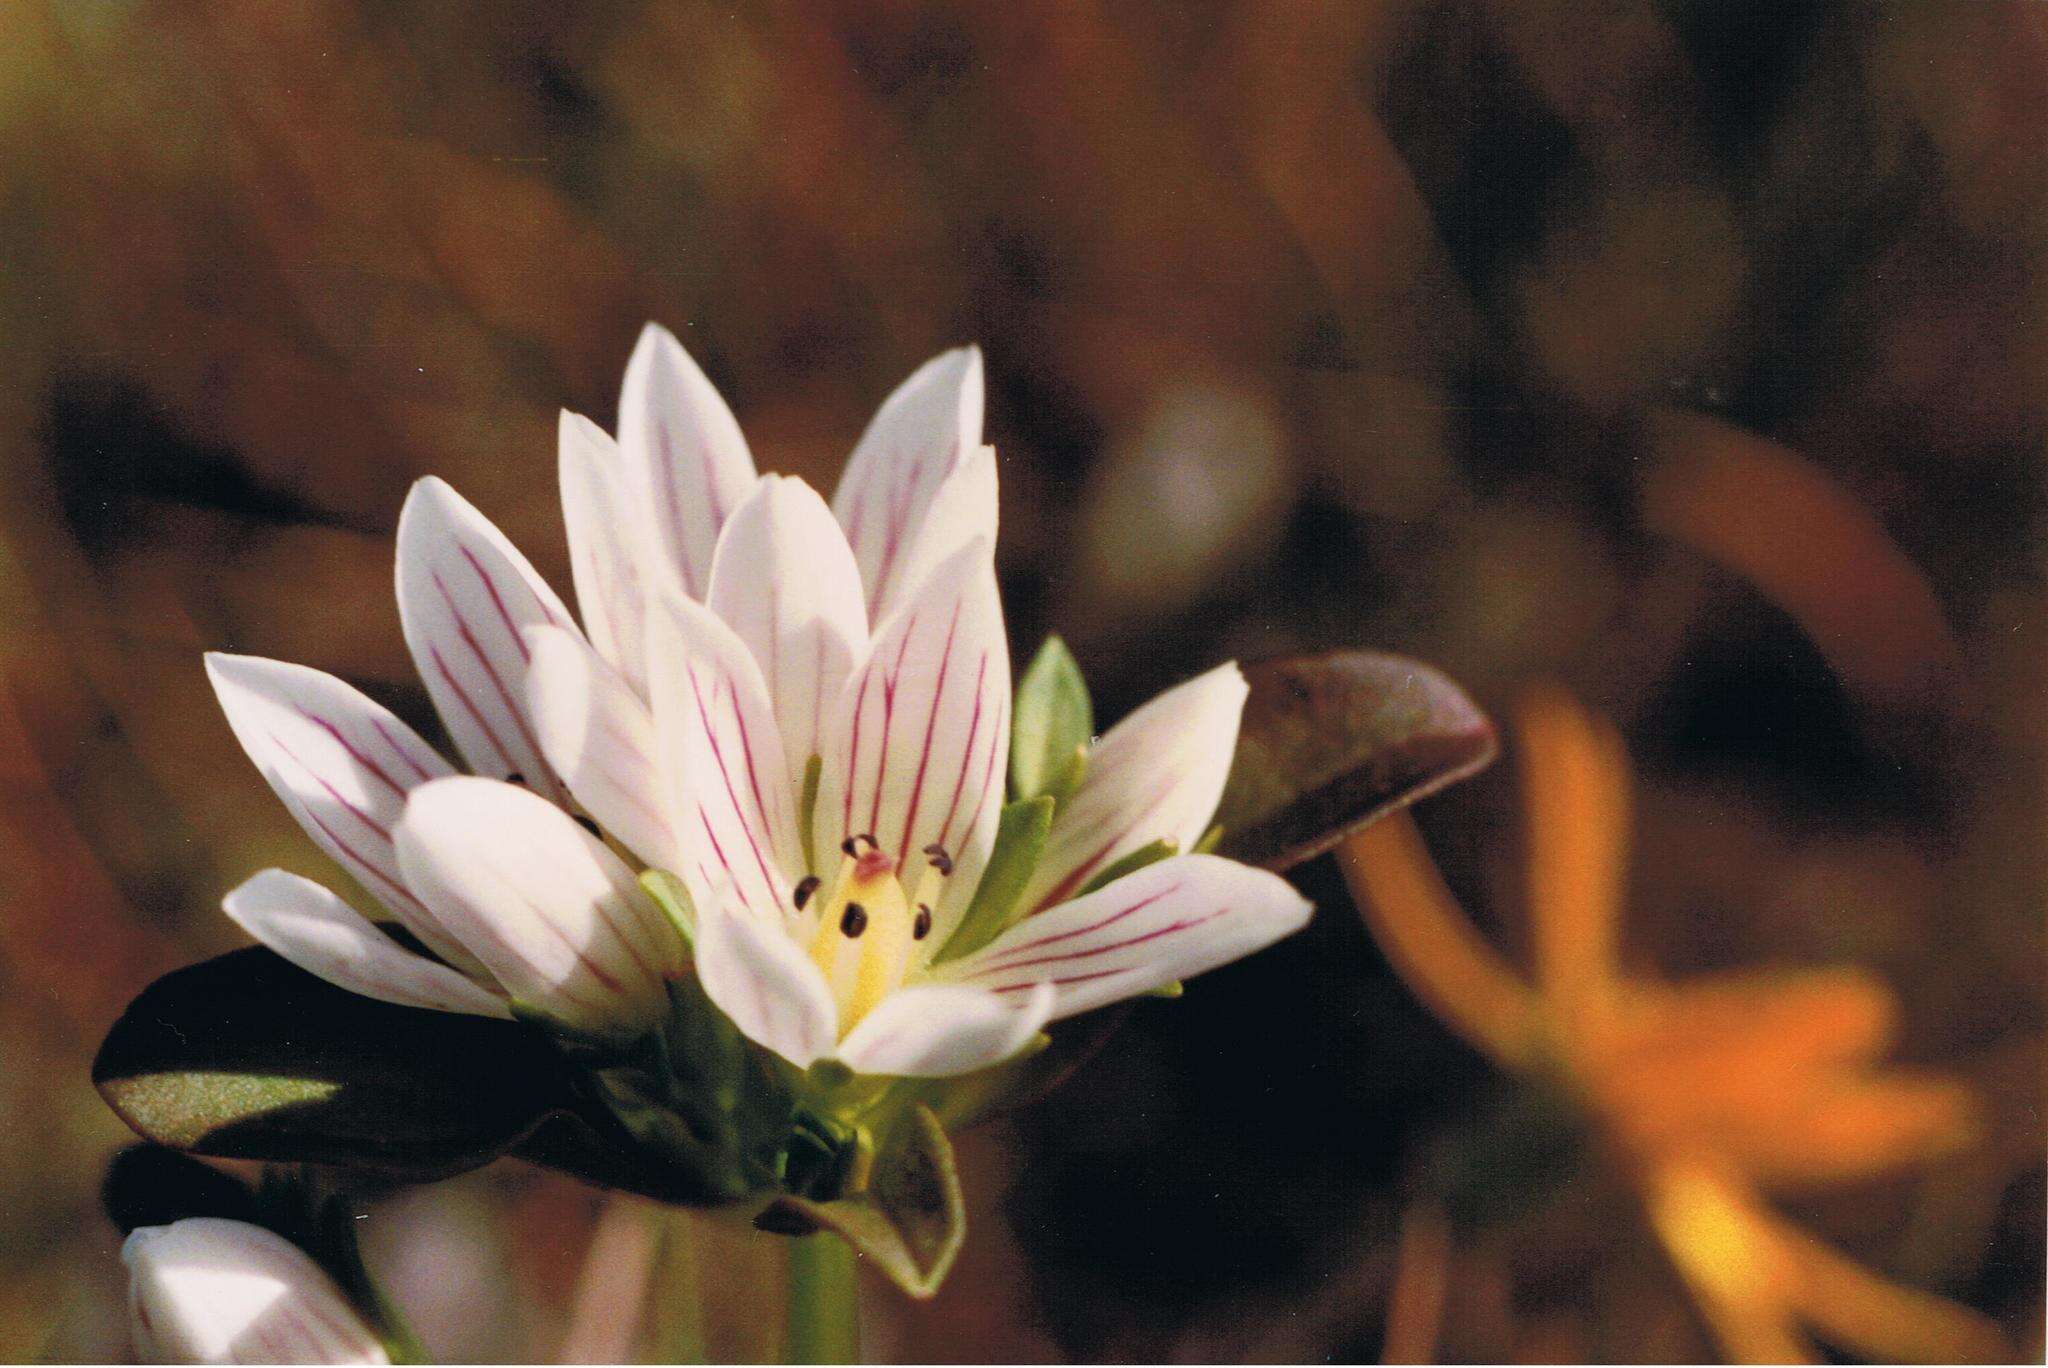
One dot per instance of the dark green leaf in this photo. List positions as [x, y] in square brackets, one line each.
[1020, 840]
[1052, 725]
[148, 1185]
[1331, 742]
[910, 1221]
[249, 1057]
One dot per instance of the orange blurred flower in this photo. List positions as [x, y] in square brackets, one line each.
[1709, 1092]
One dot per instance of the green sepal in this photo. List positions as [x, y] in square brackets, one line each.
[807, 806]
[673, 899]
[1051, 725]
[1131, 863]
[1211, 838]
[1020, 840]
[1169, 991]
[586, 1047]
[909, 1221]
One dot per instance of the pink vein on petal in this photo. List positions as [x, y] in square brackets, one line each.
[1090, 952]
[998, 961]
[966, 754]
[725, 774]
[350, 747]
[403, 752]
[931, 727]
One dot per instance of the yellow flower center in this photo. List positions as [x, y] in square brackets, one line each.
[871, 935]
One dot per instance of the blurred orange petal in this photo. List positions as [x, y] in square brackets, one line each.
[1731, 1261]
[1813, 1017]
[1811, 546]
[1856, 1129]
[1855, 1309]
[1575, 786]
[1430, 944]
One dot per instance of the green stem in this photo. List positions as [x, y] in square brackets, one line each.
[679, 1294]
[824, 1301]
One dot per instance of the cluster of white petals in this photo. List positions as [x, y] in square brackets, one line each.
[737, 633]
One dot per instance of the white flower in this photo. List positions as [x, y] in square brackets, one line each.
[738, 632]
[207, 1290]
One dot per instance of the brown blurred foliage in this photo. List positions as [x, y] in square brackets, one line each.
[1688, 351]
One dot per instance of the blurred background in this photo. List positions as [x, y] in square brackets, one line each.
[1686, 352]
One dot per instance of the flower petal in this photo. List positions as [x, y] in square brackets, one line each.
[1167, 921]
[729, 784]
[599, 736]
[686, 459]
[785, 581]
[916, 742]
[465, 595]
[1155, 775]
[921, 434]
[210, 1290]
[611, 546]
[764, 981]
[963, 510]
[343, 765]
[938, 1030]
[556, 917]
[324, 936]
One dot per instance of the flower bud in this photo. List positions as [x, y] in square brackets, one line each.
[207, 1290]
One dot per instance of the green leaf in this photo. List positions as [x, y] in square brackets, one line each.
[248, 1057]
[1331, 742]
[1051, 726]
[1020, 840]
[910, 1221]
[674, 900]
[148, 1185]
[1131, 864]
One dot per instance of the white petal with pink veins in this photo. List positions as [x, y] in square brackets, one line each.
[763, 981]
[1156, 775]
[323, 935]
[962, 511]
[1170, 920]
[721, 753]
[210, 1290]
[343, 765]
[558, 919]
[785, 581]
[684, 454]
[938, 1030]
[923, 432]
[599, 737]
[465, 598]
[915, 745]
[611, 546]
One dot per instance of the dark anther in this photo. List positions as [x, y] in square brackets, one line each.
[922, 927]
[804, 889]
[941, 861]
[515, 777]
[589, 824]
[851, 845]
[853, 921]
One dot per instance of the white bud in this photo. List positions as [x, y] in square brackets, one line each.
[207, 1290]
